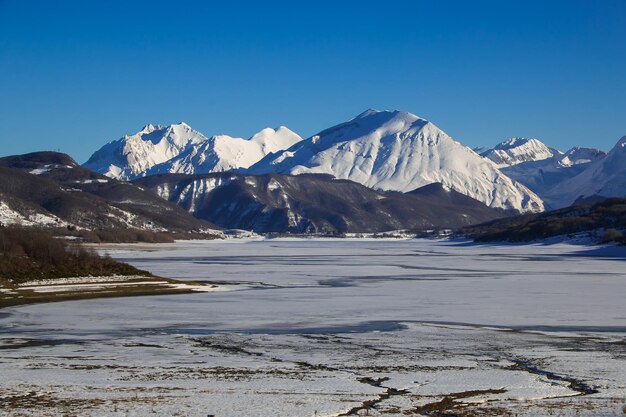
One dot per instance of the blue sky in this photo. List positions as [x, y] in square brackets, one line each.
[74, 75]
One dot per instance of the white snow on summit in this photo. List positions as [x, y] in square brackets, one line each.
[543, 175]
[517, 150]
[274, 140]
[225, 153]
[179, 148]
[604, 177]
[393, 150]
[578, 155]
[132, 155]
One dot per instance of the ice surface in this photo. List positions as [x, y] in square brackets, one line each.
[320, 326]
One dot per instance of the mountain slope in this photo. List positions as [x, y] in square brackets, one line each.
[543, 175]
[399, 151]
[517, 150]
[605, 177]
[313, 203]
[51, 189]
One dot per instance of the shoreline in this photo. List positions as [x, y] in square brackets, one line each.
[81, 288]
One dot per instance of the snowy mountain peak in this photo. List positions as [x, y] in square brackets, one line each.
[132, 155]
[178, 148]
[541, 176]
[578, 155]
[225, 153]
[517, 150]
[263, 133]
[366, 113]
[372, 117]
[371, 122]
[517, 142]
[147, 128]
[272, 140]
[605, 176]
[615, 160]
[394, 150]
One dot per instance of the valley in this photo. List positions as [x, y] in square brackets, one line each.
[313, 209]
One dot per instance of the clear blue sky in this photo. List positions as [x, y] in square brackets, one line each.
[74, 75]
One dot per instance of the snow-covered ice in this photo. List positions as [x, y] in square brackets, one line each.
[333, 327]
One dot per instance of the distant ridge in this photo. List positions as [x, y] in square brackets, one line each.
[382, 150]
[517, 150]
[604, 177]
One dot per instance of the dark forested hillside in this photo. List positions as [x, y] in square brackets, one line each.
[31, 254]
[48, 189]
[606, 220]
[314, 203]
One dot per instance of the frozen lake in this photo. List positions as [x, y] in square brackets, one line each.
[304, 327]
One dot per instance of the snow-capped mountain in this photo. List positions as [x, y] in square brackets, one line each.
[580, 156]
[517, 150]
[225, 153]
[605, 177]
[130, 156]
[543, 175]
[393, 150]
[180, 149]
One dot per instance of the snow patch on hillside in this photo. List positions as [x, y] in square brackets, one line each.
[8, 216]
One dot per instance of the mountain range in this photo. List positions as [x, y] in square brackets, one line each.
[380, 170]
[51, 190]
[180, 149]
[603, 177]
[563, 178]
[545, 176]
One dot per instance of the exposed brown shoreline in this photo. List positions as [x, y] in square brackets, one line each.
[115, 286]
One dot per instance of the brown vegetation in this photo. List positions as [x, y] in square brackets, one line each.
[35, 254]
[612, 235]
[128, 235]
[120, 236]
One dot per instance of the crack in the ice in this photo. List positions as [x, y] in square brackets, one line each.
[574, 384]
[221, 347]
[450, 401]
[370, 404]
